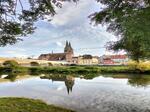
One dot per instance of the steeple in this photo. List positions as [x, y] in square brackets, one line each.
[66, 46]
[67, 43]
[70, 47]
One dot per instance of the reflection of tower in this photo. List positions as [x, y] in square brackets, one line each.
[69, 82]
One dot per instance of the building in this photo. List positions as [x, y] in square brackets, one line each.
[65, 56]
[75, 60]
[114, 59]
[86, 60]
[108, 61]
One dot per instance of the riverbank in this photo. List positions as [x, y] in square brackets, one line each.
[79, 69]
[27, 105]
[74, 69]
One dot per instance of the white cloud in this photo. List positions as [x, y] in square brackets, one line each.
[60, 44]
[70, 23]
[72, 12]
[15, 54]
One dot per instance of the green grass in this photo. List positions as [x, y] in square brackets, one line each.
[85, 69]
[73, 70]
[27, 105]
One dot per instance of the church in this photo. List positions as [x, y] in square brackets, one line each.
[66, 56]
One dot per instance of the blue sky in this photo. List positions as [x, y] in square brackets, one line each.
[70, 23]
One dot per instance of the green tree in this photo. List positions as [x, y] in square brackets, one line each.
[50, 64]
[11, 64]
[34, 63]
[130, 21]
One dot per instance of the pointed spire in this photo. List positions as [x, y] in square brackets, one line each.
[70, 47]
[67, 44]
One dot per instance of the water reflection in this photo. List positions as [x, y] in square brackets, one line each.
[90, 93]
[139, 80]
[11, 77]
[67, 79]
[135, 80]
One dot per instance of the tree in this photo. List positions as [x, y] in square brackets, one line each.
[130, 21]
[34, 64]
[50, 64]
[17, 17]
[11, 64]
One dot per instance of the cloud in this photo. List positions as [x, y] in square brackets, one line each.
[15, 53]
[70, 12]
[70, 23]
[73, 13]
[59, 44]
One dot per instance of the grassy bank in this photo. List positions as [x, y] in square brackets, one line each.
[87, 69]
[12, 66]
[27, 105]
[74, 69]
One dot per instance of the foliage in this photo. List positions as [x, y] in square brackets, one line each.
[132, 64]
[34, 63]
[130, 21]
[11, 77]
[11, 64]
[37, 70]
[136, 80]
[142, 65]
[17, 17]
[87, 70]
[50, 64]
[139, 80]
[27, 105]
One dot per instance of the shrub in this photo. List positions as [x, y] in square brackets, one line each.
[50, 64]
[34, 63]
[34, 70]
[132, 65]
[11, 63]
[143, 66]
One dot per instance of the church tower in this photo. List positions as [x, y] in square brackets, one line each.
[69, 52]
[66, 47]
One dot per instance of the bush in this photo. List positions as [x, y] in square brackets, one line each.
[132, 65]
[34, 63]
[144, 66]
[50, 64]
[34, 71]
[140, 66]
[11, 63]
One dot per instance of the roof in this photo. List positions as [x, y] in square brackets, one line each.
[115, 56]
[54, 56]
[118, 56]
[74, 57]
[87, 57]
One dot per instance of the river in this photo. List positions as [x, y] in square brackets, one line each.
[101, 93]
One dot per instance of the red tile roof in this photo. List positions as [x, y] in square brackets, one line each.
[118, 56]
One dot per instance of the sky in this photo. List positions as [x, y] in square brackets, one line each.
[70, 23]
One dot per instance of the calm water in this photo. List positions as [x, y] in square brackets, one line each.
[104, 93]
